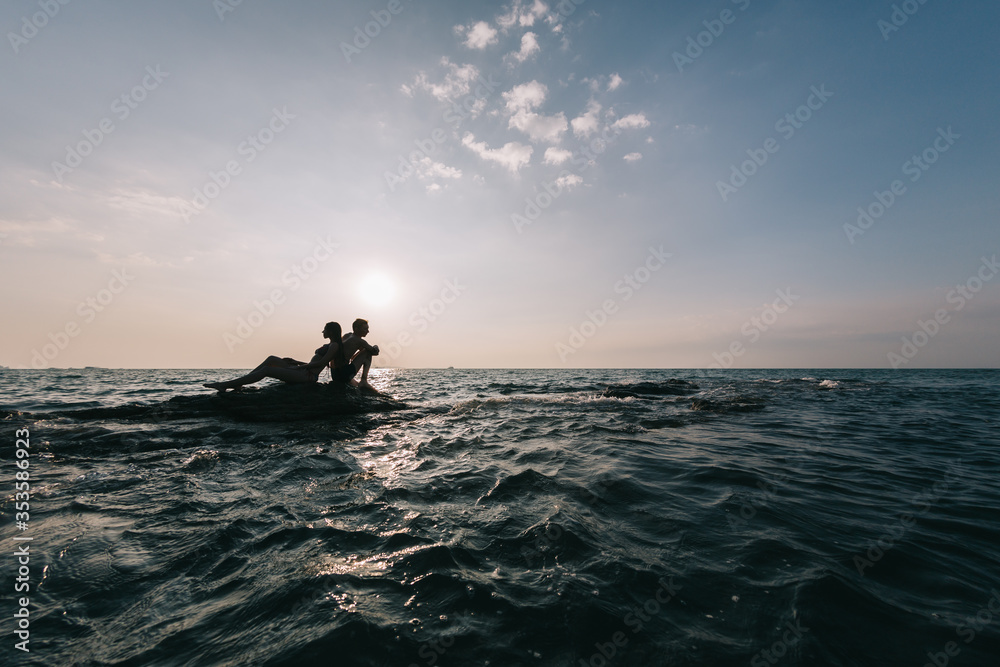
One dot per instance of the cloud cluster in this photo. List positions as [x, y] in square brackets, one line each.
[458, 80]
[522, 101]
[522, 16]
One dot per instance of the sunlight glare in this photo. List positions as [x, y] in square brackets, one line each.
[377, 289]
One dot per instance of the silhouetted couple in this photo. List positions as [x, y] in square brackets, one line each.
[343, 355]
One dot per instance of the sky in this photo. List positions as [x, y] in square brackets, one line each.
[732, 184]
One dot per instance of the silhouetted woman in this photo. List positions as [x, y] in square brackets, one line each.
[292, 371]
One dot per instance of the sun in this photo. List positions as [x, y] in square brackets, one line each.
[377, 289]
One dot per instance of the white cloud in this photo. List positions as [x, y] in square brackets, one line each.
[525, 97]
[479, 35]
[568, 181]
[586, 124]
[457, 82]
[426, 169]
[555, 155]
[142, 202]
[632, 121]
[522, 16]
[512, 155]
[632, 157]
[529, 47]
[615, 81]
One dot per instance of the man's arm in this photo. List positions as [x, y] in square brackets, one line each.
[358, 343]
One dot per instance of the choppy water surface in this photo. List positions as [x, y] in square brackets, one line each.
[511, 518]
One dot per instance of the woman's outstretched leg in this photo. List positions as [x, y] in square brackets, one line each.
[269, 368]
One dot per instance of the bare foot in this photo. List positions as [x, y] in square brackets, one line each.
[218, 386]
[368, 389]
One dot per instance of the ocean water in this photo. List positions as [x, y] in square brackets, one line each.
[508, 517]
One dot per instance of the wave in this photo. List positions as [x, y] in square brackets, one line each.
[726, 405]
[497, 402]
[816, 383]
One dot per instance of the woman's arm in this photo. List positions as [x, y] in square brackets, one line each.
[324, 361]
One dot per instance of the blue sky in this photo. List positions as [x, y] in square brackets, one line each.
[295, 126]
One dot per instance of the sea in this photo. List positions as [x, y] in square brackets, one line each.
[502, 517]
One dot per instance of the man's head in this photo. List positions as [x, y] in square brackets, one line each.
[360, 327]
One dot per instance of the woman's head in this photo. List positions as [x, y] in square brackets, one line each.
[333, 331]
